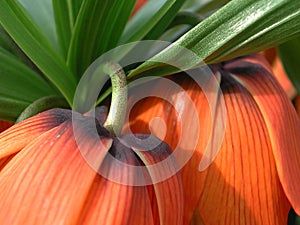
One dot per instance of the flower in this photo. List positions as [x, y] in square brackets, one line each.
[279, 72]
[255, 177]
[50, 167]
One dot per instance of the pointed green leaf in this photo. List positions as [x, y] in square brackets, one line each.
[186, 17]
[20, 81]
[290, 53]
[203, 7]
[11, 108]
[243, 27]
[32, 41]
[65, 13]
[75, 6]
[98, 28]
[6, 42]
[41, 12]
[239, 28]
[151, 20]
[19, 86]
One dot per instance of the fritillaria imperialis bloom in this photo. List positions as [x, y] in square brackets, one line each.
[255, 177]
[279, 72]
[48, 176]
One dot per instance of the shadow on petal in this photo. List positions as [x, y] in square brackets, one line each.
[5, 125]
[110, 202]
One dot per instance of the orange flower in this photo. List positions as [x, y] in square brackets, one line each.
[255, 176]
[279, 72]
[47, 176]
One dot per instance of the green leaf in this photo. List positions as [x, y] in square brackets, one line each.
[11, 108]
[65, 13]
[98, 28]
[186, 17]
[6, 42]
[203, 6]
[239, 28]
[36, 46]
[243, 27]
[151, 20]
[41, 11]
[289, 54]
[182, 23]
[19, 86]
[75, 5]
[189, 5]
[210, 6]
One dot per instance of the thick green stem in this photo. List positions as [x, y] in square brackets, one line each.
[43, 104]
[117, 111]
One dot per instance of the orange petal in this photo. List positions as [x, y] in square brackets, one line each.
[242, 185]
[270, 55]
[283, 79]
[114, 203]
[164, 174]
[5, 160]
[279, 72]
[48, 181]
[179, 126]
[283, 127]
[18, 136]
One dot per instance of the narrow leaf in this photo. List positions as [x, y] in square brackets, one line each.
[64, 24]
[203, 7]
[65, 13]
[98, 28]
[165, 21]
[151, 20]
[19, 86]
[247, 27]
[289, 54]
[11, 108]
[239, 28]
[32, 41]
[6, 42]
[41, 11]
[75, 5]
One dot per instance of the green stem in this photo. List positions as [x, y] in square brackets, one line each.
[117, 111]
[41, 105]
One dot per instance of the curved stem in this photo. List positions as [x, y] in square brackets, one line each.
[117, 111]
[42, 104]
